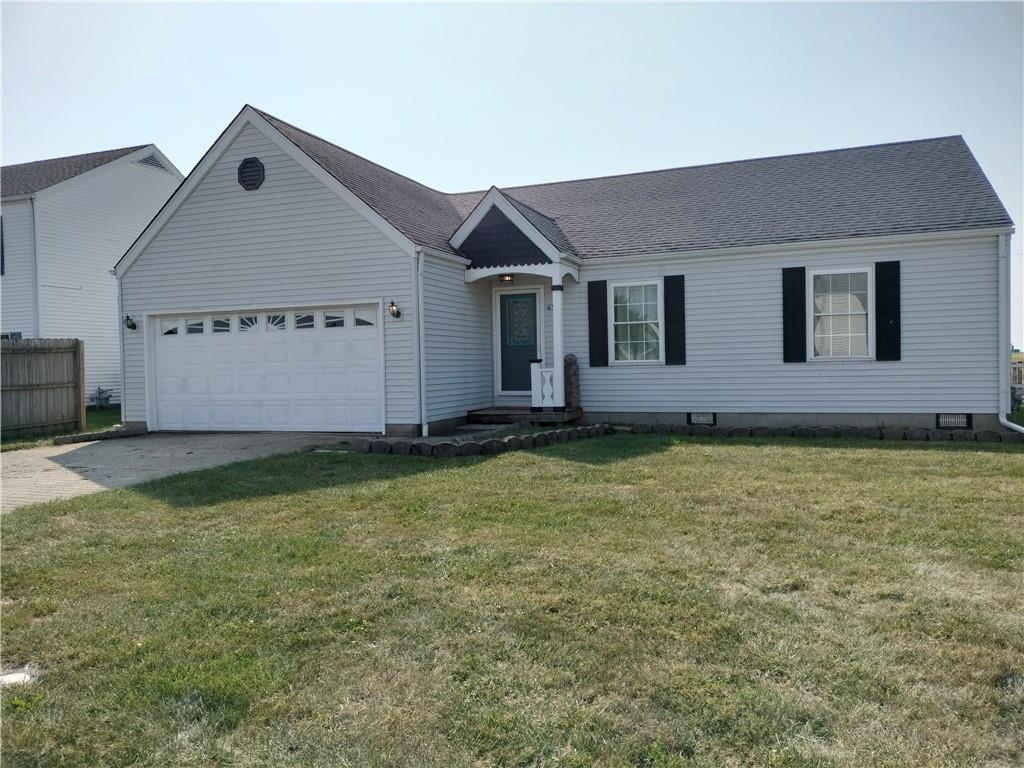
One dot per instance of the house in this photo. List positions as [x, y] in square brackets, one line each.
[292, 285]
[65, 222]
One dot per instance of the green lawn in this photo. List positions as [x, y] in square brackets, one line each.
[645, 600]
[96, 420]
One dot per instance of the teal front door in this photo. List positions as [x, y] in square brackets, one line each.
[517, 339]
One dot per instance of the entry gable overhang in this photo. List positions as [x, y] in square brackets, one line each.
[246, 117]
[501, 231]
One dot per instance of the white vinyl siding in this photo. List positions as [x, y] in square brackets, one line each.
[17, 285]
[458, 341]
[734, 337]
[291, 243]
[84, 226]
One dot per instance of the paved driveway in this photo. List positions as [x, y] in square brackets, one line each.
[65, 471]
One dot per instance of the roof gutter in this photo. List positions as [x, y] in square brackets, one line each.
[1004, 334]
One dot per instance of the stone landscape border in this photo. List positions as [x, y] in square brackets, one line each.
[535, 439]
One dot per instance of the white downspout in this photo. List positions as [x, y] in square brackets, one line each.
[35, 270]
[1004, 334]
[421, 341]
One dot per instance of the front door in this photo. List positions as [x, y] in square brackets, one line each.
[517, 346]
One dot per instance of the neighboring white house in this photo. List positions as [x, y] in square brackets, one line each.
[290, 284]
[65, 223]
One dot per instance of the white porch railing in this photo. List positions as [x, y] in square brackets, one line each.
[542, 386]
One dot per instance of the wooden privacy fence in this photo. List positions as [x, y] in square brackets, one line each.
[43, 386]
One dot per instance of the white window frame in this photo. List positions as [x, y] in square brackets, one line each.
[809, 289]
[660, 284]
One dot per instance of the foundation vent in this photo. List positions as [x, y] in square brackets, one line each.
[701, 419]
[953, 421]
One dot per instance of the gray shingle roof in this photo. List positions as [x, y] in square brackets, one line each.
[424, 215]
[544, 225]
[28, 178]
[922, 186]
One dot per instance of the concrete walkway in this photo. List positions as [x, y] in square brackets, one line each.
[65, 471]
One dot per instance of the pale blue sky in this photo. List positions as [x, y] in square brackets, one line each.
[464, 96]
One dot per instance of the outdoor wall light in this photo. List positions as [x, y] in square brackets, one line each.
[394, 311]
[506, 279]
[129, 323]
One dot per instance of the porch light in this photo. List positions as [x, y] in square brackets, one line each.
[506, 278]
[129, 323]
[394, 311]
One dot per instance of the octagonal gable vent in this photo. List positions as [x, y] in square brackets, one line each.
[250, 173]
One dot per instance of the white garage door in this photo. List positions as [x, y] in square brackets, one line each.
[294, 369]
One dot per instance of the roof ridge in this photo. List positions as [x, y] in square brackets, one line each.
[717, 164]
[348, 151]
[527, 205]
[126, 150]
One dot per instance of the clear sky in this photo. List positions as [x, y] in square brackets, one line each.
[464, 96]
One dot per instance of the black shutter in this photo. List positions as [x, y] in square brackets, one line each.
[887, 310]
[794, 315]
[597, 317]
[675, 320]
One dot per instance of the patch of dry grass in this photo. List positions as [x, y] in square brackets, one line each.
[639, 600]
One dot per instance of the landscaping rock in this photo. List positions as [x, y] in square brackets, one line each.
[700, 430]
[780, 431]
[803, 432]
[917, 434]
[846, 432]
[401, 447]
[940, 435]
[824, 432]
[663, 429]
[380, 446]
[540, 439]
[962, 436]
[893, 433]
[469, 448]
[491, 447]
[360, 445]
[720, 431]
[643, 429]
[526, 442]
[422, 448]
[760, 431]
[680, 429]
[571, 433]
[739, 432]
[445, 450]
[869, 433]
[1012, 437]
[513, 443]
[986, 436]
